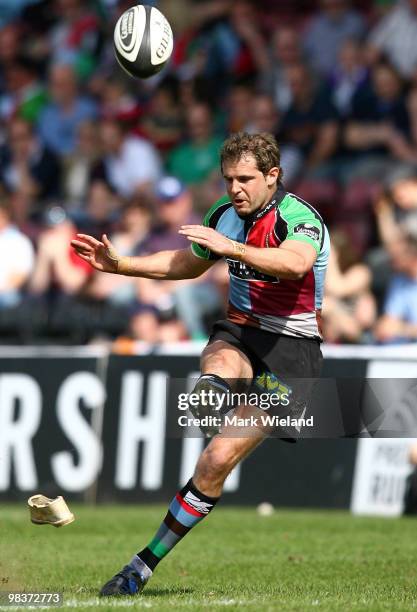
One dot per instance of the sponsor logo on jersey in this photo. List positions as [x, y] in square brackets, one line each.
[241, 270]
[197, 504]
[308, 230]
[265, 210]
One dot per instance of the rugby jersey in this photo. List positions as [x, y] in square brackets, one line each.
[283, 306]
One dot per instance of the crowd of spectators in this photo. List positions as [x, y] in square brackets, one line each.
[85, 148]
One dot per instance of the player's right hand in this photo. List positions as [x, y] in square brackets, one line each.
[101, 255]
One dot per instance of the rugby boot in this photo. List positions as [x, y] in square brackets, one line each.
[127, 582]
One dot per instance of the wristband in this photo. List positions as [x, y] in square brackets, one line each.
[239, 249]
[124, 266]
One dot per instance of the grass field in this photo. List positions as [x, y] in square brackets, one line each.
[235, 560]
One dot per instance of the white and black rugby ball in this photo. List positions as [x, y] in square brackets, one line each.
[143, 41]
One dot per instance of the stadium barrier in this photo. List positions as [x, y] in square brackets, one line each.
[93, 426]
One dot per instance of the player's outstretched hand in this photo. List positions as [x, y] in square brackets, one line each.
[208, 238]
[101, 255]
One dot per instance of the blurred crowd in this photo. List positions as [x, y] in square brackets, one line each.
[85, 148]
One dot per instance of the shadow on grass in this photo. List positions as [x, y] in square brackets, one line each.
[149, 592]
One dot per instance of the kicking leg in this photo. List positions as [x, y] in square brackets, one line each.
[219, 458]
[199, 496]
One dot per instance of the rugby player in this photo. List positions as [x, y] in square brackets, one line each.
[277, 247]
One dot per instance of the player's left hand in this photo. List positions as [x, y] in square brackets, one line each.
[208, 238]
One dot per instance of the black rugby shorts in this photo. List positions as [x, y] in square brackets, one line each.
[296, 362]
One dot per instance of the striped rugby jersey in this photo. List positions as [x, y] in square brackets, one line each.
[282, 306]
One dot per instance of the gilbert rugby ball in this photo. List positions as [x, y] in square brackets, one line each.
[143, 41]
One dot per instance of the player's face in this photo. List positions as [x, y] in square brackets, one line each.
[249, 189]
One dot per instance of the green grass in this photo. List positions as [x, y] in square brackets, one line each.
[234, 560]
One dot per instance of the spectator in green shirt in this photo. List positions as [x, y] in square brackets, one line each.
[196, 159]
[25, 95]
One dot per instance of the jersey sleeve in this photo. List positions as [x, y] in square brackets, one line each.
[210, 220]
[305, 226]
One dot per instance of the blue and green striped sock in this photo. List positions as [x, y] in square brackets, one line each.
[188, 508]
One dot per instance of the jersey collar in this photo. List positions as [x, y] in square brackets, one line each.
[276, 200]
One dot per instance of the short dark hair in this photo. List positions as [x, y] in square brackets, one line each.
[263, 147]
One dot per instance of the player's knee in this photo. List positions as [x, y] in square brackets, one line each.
[220, 357]
[215, 361]
[215, 463]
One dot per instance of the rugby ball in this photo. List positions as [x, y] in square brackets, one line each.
[143, 41]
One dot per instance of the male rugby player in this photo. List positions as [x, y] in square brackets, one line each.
[277, 248]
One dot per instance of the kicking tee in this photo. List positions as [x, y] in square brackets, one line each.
[282, 306]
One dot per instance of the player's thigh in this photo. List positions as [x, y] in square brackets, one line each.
[226, 361]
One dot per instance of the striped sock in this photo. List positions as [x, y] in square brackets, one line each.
[188, 508]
